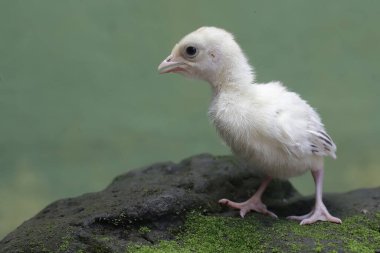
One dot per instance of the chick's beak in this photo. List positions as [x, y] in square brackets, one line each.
[170, 65]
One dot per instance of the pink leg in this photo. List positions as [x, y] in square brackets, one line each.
[319, 212]
[252, 204]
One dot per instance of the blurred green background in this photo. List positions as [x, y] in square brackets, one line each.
[81, 100]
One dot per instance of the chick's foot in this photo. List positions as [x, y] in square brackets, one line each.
[319, 213]
[253, 204]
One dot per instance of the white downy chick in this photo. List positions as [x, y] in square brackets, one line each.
[264, 124]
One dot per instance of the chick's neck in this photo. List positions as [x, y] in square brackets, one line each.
[236, 75]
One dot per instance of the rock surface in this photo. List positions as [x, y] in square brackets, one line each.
[159, 197]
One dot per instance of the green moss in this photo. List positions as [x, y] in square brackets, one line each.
[257, 233]
[104, 239]
[144, 230]
[64, 244]
[318, 248]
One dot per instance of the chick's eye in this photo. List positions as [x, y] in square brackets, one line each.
[191, 51]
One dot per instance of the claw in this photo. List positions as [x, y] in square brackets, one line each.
[272, 214]
[223, 201]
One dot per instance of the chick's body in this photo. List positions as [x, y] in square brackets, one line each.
[265, 124]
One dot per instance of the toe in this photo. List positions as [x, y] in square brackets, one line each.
[271, 214]
[232, 204]
[299, 218]
[294, 217]
[335, 220]
[243, 213]
[223, 201]
[308, 221]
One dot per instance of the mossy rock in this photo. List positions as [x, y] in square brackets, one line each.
[170, 207]
[358, 233]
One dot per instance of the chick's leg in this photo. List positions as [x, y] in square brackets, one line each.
[252, 204]
[319, 212]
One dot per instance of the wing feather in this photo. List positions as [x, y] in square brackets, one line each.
[294, 124]
[321, 143]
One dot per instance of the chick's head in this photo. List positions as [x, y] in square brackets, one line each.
[208, 53]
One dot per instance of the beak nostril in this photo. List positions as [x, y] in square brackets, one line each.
[169, 60]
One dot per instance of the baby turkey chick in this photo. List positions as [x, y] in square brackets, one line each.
[264, 124]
